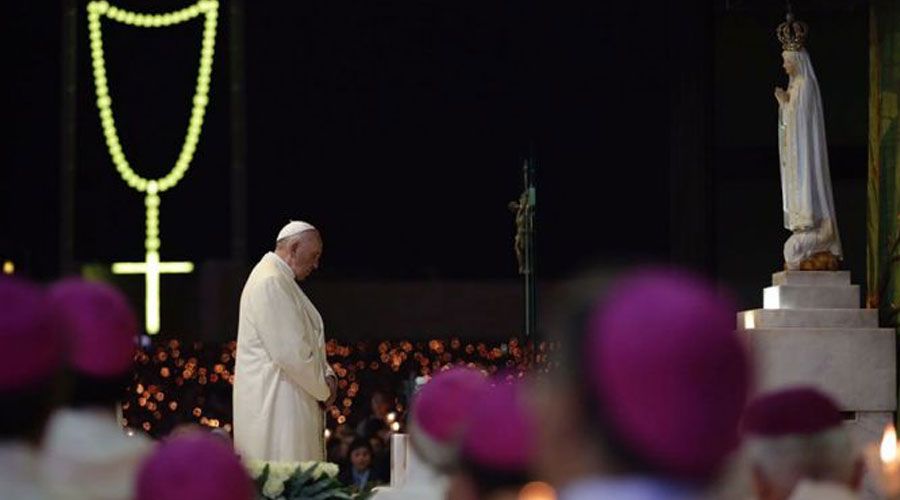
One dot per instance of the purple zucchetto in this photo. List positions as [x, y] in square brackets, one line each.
[799, 410]
[32, 348]
[669, 373]
[501, 434]
[99, 325]
[194, 466]
[440, 413]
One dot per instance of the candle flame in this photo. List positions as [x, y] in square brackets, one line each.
[537, 491]
[889, 444]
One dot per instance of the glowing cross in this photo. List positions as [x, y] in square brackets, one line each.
[101, 9]
[152, 267]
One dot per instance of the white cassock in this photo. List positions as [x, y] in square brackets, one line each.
[280, 369]
[807, 201]
[87, 456]
[19, 478]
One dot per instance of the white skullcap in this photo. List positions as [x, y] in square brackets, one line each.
[293, 228]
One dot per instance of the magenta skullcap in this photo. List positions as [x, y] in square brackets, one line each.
[440, 412]
[501, 434]
[669, 373]
[799, 410]
[99, 325]
[193, 466]
[32, 349]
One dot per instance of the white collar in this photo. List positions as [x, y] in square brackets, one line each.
[282, 265]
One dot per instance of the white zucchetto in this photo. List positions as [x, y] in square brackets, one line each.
[293, 228]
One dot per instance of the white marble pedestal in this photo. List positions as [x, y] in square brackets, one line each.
[811, 331]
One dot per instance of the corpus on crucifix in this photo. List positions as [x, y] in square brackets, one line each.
[524, 210]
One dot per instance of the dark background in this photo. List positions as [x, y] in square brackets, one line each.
[399, 128]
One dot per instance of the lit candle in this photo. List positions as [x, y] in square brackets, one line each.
[884, 465]
[398, 459]
[537, 491]
[888, 452]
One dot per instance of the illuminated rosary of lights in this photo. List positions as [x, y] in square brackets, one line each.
[152, 266]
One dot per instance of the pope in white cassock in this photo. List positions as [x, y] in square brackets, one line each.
[281, 374]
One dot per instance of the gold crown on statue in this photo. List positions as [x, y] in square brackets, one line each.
[792, 33]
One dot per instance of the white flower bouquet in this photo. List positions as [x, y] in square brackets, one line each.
[297, 481]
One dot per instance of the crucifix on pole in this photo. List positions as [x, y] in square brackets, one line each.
[524, 208]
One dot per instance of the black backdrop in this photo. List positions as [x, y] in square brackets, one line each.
[399, 128]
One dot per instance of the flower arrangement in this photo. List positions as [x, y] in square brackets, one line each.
[297, 481]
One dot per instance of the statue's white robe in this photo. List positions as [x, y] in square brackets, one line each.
[280, 369]
[807, 200]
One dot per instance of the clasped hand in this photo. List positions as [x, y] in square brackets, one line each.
[781, 96]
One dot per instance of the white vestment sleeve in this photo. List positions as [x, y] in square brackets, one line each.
[288, 342]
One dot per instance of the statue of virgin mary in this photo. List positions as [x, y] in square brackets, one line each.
[805, 181]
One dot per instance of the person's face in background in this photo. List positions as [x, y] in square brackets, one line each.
[380, 405]
[361, 459]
